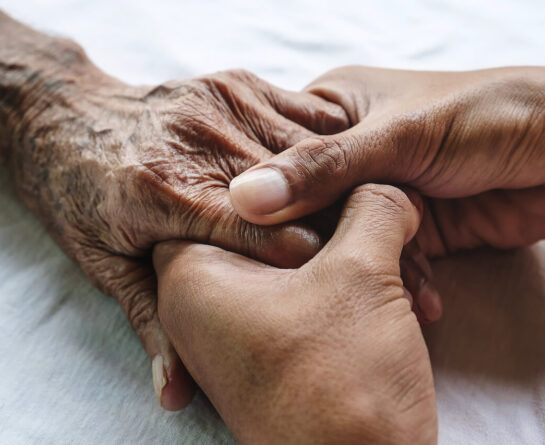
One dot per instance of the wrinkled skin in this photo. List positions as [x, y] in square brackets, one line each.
[473, 143]
[130, 167]
[327, 353]
[111, 169]
[127, 175]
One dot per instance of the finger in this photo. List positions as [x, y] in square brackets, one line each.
[314, 173]
[376, 222]
[287, 245]
[133, 285]
[500, 218]
[238, 87]
[206, 295]
[275, 131]
[312, 112]
[426, 299]
[257, 116]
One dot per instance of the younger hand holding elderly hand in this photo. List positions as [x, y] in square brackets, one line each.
[111, 169]
[327, 353]
[472, 142]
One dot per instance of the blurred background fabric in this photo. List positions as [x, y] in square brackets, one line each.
[71, 369]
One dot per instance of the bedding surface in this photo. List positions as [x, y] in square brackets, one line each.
[73, 372]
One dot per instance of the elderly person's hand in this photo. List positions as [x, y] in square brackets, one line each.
[111, 169]
[327, 353]
[476, 136]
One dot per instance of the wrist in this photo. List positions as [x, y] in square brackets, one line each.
[519, 89]
[533, 79]
[39, 75]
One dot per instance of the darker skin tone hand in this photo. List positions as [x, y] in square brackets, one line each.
[326, 353]
[472, 143]
[111, 169]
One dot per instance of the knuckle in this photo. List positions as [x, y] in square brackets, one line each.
[333, 118]
[223, 80]
[217, 88]
[366, 265]
[320, 158]
[170, 88]
[240, 74]
[368, 281]
[386, 197]
[211, 87]
[70, 52]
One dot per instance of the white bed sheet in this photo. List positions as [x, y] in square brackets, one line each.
[71, 370]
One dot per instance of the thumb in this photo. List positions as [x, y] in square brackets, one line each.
[376, 222]
[133, 284]
[314, 173]
[212, 302]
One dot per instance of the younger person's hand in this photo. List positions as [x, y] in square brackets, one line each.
[326, 353]
[475, 136]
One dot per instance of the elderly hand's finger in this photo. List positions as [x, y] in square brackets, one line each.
[312, 112]
[196, 206]
[133, 285]
[286, 245]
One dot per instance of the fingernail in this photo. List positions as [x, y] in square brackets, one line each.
[158, 374]
[262, 191]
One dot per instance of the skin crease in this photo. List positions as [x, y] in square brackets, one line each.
[111, 169]
[472, 143]
[352, 368]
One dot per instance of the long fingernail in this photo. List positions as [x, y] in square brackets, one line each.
[261, 192]
[158, 374]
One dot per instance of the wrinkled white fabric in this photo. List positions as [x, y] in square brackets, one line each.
[72, 371]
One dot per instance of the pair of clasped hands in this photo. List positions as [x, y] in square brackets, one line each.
[395, 167]
[307, 220]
